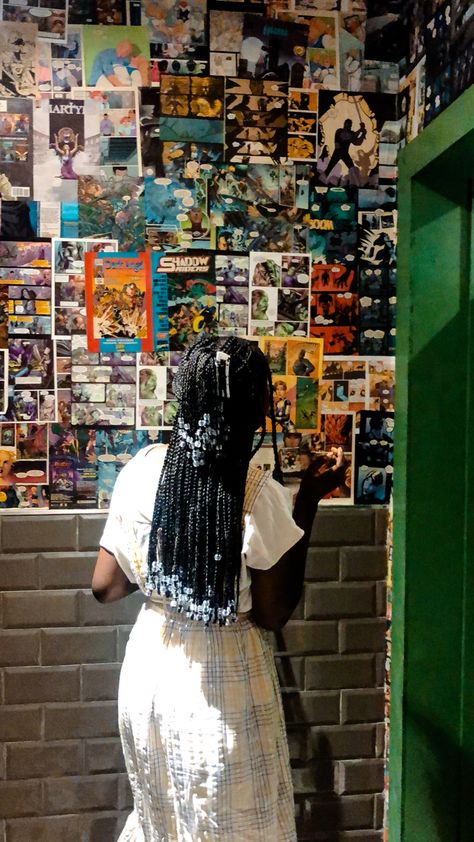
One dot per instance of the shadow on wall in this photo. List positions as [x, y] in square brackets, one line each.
[319, 806]
[443, 759]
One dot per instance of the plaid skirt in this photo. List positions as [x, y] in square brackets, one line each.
[203, 733]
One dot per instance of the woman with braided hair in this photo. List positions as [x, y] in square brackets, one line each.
[213, 544]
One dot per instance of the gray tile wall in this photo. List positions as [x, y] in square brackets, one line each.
[61, 766]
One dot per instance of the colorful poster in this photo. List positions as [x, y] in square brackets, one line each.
[192, 306]
[119, 302]
[66, 146]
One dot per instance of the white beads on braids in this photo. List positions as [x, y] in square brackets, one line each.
[196, 534]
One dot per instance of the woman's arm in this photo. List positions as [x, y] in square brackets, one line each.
[276, 592]
[109, 582]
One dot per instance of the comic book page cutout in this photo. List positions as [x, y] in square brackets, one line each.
[20, 56]
[348, 141]
[66, 133]
[322, 54]
[118, 302]
[225, 40]
[344, 384]
[151, 394]
[255, 120]
[49, 19]
[116, 55]
[296, 368]
[103, 386]
[66, 62]
[273, 49]
[16, 148]
[177, 30]
[374, 458]
[119, 134]
[381, 383]
[69, 285]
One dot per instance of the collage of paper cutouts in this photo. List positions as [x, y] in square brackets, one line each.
[178, 166]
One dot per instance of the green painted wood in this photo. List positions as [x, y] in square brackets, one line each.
[432, 712]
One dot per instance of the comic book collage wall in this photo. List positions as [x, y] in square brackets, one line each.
[173, 166]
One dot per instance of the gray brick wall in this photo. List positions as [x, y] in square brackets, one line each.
[61, 766]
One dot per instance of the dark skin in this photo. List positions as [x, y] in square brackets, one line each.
[275, 592]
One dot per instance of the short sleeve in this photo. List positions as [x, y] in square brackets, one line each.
[270, 530]
[115, 535]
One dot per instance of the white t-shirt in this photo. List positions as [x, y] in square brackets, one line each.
[269, 528]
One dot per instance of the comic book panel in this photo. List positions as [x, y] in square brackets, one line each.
[295, 270]
[232, 270]
[152, 383]
[275, 351]
[336, 308]
[336, 277]
[333, 246]
[348, 141]
[264, 304]
[373, 485]
[338, 430]
[337, 340]
[293, 305]
[30, 362]
[265, 269]
[382, 383]
[307, 403]
[344, 493]
[376, 341]
[272, 46]
[304, 358]
[3, 317]
[284, 400]
[19, 51]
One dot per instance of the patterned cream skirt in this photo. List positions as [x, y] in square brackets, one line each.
[203, 733]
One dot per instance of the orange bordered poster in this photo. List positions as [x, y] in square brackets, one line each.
[119, 302]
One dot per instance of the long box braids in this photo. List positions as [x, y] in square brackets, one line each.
[223, 388]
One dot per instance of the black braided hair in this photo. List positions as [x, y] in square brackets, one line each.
[196, 532]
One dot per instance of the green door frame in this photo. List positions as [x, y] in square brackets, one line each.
[432, 707]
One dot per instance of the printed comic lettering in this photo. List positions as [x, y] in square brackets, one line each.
[111, 263]
[66, 108]
[134, 265]
[318, 224]
[176, 263]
